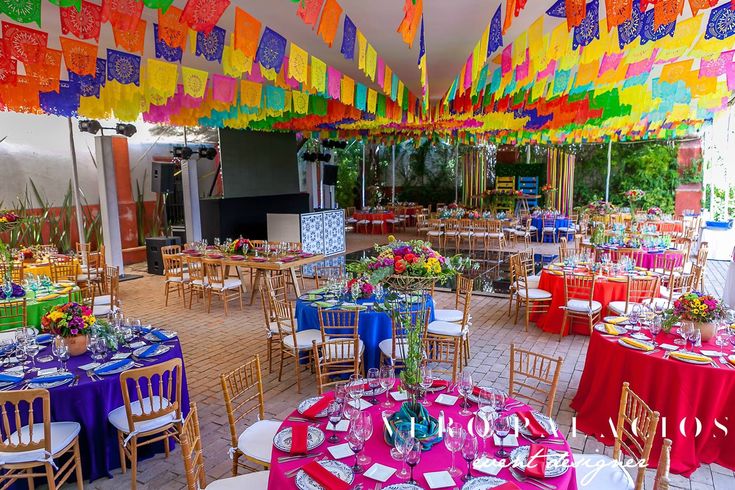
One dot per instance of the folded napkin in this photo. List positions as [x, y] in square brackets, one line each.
[305, 255]
[509, 485]
[536, 429]
[690, 356]
[440, 383]
[52, 378]
[320, 405]
[288, 259]
[324, 478]
[536, 466]
[6, 349]
[324, 304]
[44, 337]
[10, 378]
[635, 343]
[111, 367]
[617, 319]
[151, 350]
[611, 329]
[557, 273]
[299, 434]
[160, 335]
[48, 297]
[617, 279]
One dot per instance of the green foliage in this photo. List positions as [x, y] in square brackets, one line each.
[429, 177]
[348, 171]
[716, 203]
[692, 174]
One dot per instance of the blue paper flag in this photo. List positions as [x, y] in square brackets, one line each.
[164, 51]
[630, 29]
[648, 33]
[89, 86]
[422, 46]
[211, 45]
[559, 9]
[495, 39]
[123, 67]
[271, 50]
[721, 23]
[349, 32]
[589, 29]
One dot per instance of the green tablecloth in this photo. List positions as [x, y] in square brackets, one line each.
[36, 309]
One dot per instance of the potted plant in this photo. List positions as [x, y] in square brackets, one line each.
[700, 308]
[72, 321]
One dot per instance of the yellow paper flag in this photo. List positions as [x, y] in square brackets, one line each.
[300, 102]
[250, 93]
[372, 98]
[371, 60]
[298, 63]
[195, 81]
[347, 92]
[361, 49]
[318, 75]
[388, 80]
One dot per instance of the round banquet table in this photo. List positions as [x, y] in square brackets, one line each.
[42, 268]
[373, 326]
[35, 308]
[539, 224]
[666, 226]
[435, 459]
[647, 258]
[383, 229]
[550, 321]
[678, 390]
[89, 402]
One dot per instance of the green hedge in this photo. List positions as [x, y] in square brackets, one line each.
[522, 170]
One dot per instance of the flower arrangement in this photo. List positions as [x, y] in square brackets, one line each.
[474, 215]
[359, 287]
[238, 245]
[600, 207]
[697, 307]
[12, 290]
[69, 320]
[548, 188]
[634, 195]
[654, 211]
[453, 205]
[8, 220]
[502, 193]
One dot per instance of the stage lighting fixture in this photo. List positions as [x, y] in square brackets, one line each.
[182, 152]
[125, 129]
[89, 126]
[207, 152]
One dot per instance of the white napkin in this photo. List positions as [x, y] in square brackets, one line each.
[362, 405]
[489, 466]
[89, 366]
[44, 372]
[399, 396]
[380, 472]
[340, 451]
[669, 347]
[137, 344]
[510, 440]
[341, 426]
[120, 355]
[445, 399]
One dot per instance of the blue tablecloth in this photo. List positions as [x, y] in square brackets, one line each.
[539, 224]
[373, 326]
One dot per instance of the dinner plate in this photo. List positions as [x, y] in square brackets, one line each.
[482, 482]
[170, 335]
[630, 346]
[616, 320]
[123, 367]
[403, 486]
[314, 438]
[338, 469]
[546, 422]
[160, 349]
[308, 403]
[679, 357]
[311, 297]
[618, 329]
[474, 399]
[557, 462]
[38, 383]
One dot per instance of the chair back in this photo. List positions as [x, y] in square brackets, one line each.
[495, 227]
[13, 314]
[548, 222]
[171, 249]
[338, 324]
[173, 266]
[93, 262]
[16, 271]
[696, 274]
[277, 286]
[242, 390]
[197, 274]
[111, 283]
[540, 377]
[82, 248]
[661, 480]
[579, 287]
[527, 261]
[17, 410]
[157, 388]
[671, 260]
[702, 253]
[463, 296]
[435, 224]
[335, 360]
[214, 271]
[281, 307]
[680, 284]
[443, 354]
[191, 450]
[635, 430]
[639, 289]
[322, 273]
[87, 293]
[63, 268]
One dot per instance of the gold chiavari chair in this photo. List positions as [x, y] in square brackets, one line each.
[171, 249]
[108, 299]
[495, 235]
[435, 232]
[333, 360]
[197, 278]
[579, 304]
[322, 273]
[177, 278]
[638, 291]
[13, 314]
[452, 230]
[528, 262]
[677, 285]
[422, 224]
[443, 354]
[634, 433]
[540, 377]
[153, 416]
[701, 261]
[457, 329]
[226, 288]
[16, 270]
[563, 252]
[338, 325]
[243, 394]
[683, 244]
[87, 294]
[526, 232]
[532, 299]
[548, 228]
[196, 478]
[466, 229]
[669, 261]
[395, 349]
[513, 281]
[37, 448]
[63, 268]
[464, 285]
[479, 235]
[273, 333]
[661, 480]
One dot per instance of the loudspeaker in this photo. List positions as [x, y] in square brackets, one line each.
[330, 175]
[154, 257]
[162, 177]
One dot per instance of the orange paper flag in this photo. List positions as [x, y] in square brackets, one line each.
[47, 72]
[170, 29]
[329, 21]
[80, 57]
[617, 11]
[576, 11]
[133, 40]
[666, 11]
[247, 33]
[409, 26]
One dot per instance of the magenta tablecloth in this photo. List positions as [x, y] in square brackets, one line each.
[436, 459]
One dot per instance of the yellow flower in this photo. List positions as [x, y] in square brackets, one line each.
[391, 239]
[90, 320]
[55, 316]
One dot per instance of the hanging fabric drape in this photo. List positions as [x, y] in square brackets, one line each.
[560, 174]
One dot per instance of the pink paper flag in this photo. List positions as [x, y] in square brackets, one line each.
[255, 75]
[715, 67]
[381, 72]
[610, 62]
[522, 69]
[506, 57]
[730, 72]
[224, 88]
[334, 79]
[640, 67]
[548, 71]
[468, 73]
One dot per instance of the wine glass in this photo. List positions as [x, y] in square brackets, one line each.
[695, 337]
[60, 349]
[500, 399]
[634, 316]
[413, 457]
[483, 425]
[427, 379]
[723, 335]
[502, 429]
[655, 328]
[469, 453]
[32, 349]
[356, 388]
[453, 437]
[356, 443]
[387, 380]
[373, 376]
[335, 416]
[340, 392]
[401, 444]
[366, 429]
[684, 329]
[465, 387]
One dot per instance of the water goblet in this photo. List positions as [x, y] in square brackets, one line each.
[387, 380]
[356, 388]
[366, 430]
[464, 387]
[60, 349]
[502, 429]
[32, 349]
[373, 377]
[413, 457]
[723, 335]
[483, 425]
[500, 399]
[335, 416]
[356, 443]
[340, 392]
[427, 379]
[683, 332]
[401, 445]
[655, 328]
[453, 437]
[469, 453]
[694, 336]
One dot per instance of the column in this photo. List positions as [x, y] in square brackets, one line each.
[190, 186]
[107, 184]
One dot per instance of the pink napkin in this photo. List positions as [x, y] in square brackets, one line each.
[324, 478]
[509, 485]
[440, 383]
[323, 403]
[298, 438]
[536, 466]
[536, 429]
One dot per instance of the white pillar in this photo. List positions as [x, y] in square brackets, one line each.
[190, 187]
[456, 171]
[609, 165]
[393, 178]
[75, 184]
[363, 174]
[107, 184]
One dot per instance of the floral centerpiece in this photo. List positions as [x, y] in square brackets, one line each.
[474, 214]
[8, 220]
[600, 207]
[72, 321]
[359, 287]
[241, 245]
[654, 212]
[702, 309]
[633, 196]
[502, 197]
[12, 290]
[548, 191]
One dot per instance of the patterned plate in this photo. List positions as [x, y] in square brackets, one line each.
[142, 351]
[619, 330]
[170, 335]
[474, 399]
[314, 438]
[306, 404]
[546, 422]
[483, 482]
[38, 382]
[403, 486]
[340, 470]
[557, 462]
[99, 370]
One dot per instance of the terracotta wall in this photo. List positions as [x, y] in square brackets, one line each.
[688, 196]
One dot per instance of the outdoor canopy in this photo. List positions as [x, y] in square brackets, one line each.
[510, 71]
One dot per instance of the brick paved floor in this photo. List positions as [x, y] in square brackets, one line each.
[213, 344]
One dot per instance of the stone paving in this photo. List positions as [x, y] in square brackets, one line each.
[213, 344]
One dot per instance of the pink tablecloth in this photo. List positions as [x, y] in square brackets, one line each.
[436, 459]
[683, 394]
[381, 229]
[648, 259]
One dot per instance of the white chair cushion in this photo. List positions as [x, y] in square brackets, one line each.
[341, 352]
[105, 299]
[199, 282]
[534, 293]
[465, 233]
[449, 329]
[273, 326]
[532, 228]
[102, 310]
[363, 222]
[377, 222]
[435, 233]
[256, 441]
[618, 307]
[386, 347]
[62, 434]
[304, 339]
[252, 481]
[179, 279]
[533, 281]
[119, 419]
[547, 228]
[448, 315]
[495, 235]
[600, 472]
[582, 306]
[230, 283]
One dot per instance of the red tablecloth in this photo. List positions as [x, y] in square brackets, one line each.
[435, 459]
[679, 391]
[378, 230]
[666, 226]
[605, 292]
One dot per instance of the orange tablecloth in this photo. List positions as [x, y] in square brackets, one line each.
[380, 230]
[605, 292]
[43, 269]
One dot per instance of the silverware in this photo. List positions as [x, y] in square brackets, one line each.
[299, 419]
[528, 479]
[286, 459]
[293, 472]
[652, 351]
[726, 363]
[541, 440]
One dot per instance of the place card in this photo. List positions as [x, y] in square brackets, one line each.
[510, 440]
[44, 372]
[120, 355]
[360, 405]
[445, 399]
[489, 466]
[89, 366]
[399, 396]
[439, 479]
[137, 344]
[380, 472]
[341, 426]
[711, 353]
[45, 359]
[340, 451]
[14, 370]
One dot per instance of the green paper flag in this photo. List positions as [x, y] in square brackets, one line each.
[380, 110]
[77, 4]
[158, 4]
[318, 107]
[23, 11]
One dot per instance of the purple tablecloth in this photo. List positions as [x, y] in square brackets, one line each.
[89, 402]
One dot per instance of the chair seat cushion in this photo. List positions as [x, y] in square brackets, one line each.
[102, 310]
[230, 283]
[339, 352]
[582, 306]
[62, 434]
[618, 307]
[534, 293]
[119, 419]
[434, 233]
[257, 480]
[450, 329]
[496, 235]
[304, 339]
[256, 441]
[386, 347]
[105, 299]
[548, 229]
[183, 278]
[600, 472]
[448, 315]
[273, 326]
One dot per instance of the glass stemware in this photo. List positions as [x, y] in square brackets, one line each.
[356, 389]
[502, 429]
[340, 392]
[356, 443]
[694, 336]
[453, 437]
[469, 453]
[684, 329]
[335, 416]
[32, 349]
[387, 380]
[413, 457]
[366, 431]
[401, 445]
[427, 379]
[373, 377]
[484, 426]
[60, 349]
[655, 328]
[464, 387]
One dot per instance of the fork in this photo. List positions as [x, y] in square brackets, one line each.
[533, 481]
[293, 472]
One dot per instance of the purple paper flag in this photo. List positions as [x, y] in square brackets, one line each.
[349, 32]
[495, 39]
[271, 50]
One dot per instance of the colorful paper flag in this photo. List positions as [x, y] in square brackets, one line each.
[329, 21]
[271, 50]
[308, 11]
[349, 31]
[23, 11]
[298, 63]
[247, 33]
[203, 15]
[84, 23]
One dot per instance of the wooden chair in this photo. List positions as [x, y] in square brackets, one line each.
[37, 448]
[533, 299]
[570, 230]
[63, 268]
[273, 333]
[322, 273]
[395, 349]
[495, 235]
[578, 301]
[435, 232]
[243, 393]
[177, 278]
[638, 291]
[701, 261]
[464, 285]
[87, 293]
[452, 231]
[155, 413]
[109, 298]
[460, 328]
[548, 228]
[13, 314]
[466, 229]
[526, 232]
[197, 278]
[634, 433]
[670, 260]
[16, 271]
[226, 288]
[171, 250]
[334, 360]
[422, 225]
[479, 235]
[196, 478]
[444, 354]
[678, 284]
[661, 480]
[338, 325]
[540, 377]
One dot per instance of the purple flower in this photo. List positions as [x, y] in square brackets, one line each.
[18, 291]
